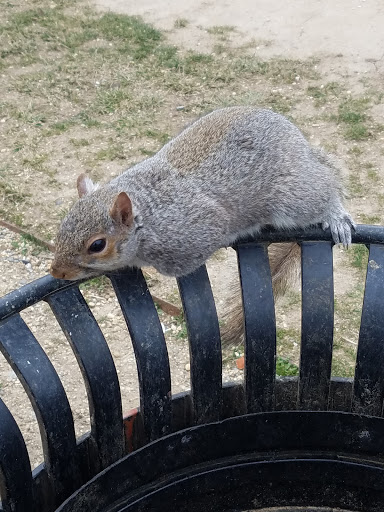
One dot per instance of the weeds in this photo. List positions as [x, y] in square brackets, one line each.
[324, 93]
[359, 256]
[96, 284]
[181, 23]
[352, 113]
[285, 368]
[181, 326]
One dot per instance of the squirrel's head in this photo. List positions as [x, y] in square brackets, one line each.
[97, 235]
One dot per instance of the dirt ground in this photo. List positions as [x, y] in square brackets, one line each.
[299, 29]
[330, 60]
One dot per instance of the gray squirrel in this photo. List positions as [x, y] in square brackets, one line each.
[227, 175]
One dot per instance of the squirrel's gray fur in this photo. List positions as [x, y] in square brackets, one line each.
[228, 174]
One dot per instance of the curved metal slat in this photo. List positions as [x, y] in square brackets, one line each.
[369, 374]
[316, 325]
[15, 469]
[259, 327]
[49, 401]
[150, 351]
[30, 294]
[204, 345]
[99, 373]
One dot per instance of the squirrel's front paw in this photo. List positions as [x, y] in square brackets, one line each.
[341, 229]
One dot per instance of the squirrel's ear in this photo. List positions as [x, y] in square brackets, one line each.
[121, 210]
[85, 185]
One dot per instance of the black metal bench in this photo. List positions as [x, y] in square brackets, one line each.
[312, 440]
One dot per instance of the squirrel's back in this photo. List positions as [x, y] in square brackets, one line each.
[252, 160]
[229, 173]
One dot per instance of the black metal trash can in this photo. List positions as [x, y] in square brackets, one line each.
[311, 441]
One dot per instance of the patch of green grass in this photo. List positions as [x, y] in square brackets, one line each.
[357, 131]
[16, 245]
[355, 151]
[197, 58]
[28, 243]
[167, 56]
[352, 113]
[108, 101]
[279, 103]
[323, 93]
[342, 367]
[183, 332]
[133, 36]
[161, 137]
[147, 152]
[181, 23]
[98, 284]
[286, 70]
[359, 256]
[278, 70]
[29, 17]
[284, 367]
[128, 28]
[111, 152]
[370, 219]
[36, 162]
[380, 200]
[292, 298]
[220, 30]
[58, 128]
[287, 334]
[79, 143]
[12, 216]
[372, 172]
[349, 116]
[86, 120]
[11, 193]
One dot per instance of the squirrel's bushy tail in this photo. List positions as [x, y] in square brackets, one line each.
[284, 260]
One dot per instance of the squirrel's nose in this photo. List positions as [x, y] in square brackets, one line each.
[57, 272]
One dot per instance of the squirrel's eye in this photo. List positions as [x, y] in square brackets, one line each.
[97, 245]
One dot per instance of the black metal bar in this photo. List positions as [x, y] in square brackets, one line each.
[204, 345]
[15, 469]
[316, 325]
[369, 373]
[260, 327]
[31, 293]
[40, 289]
[49, 401]
[150, 351]
[99, 373]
